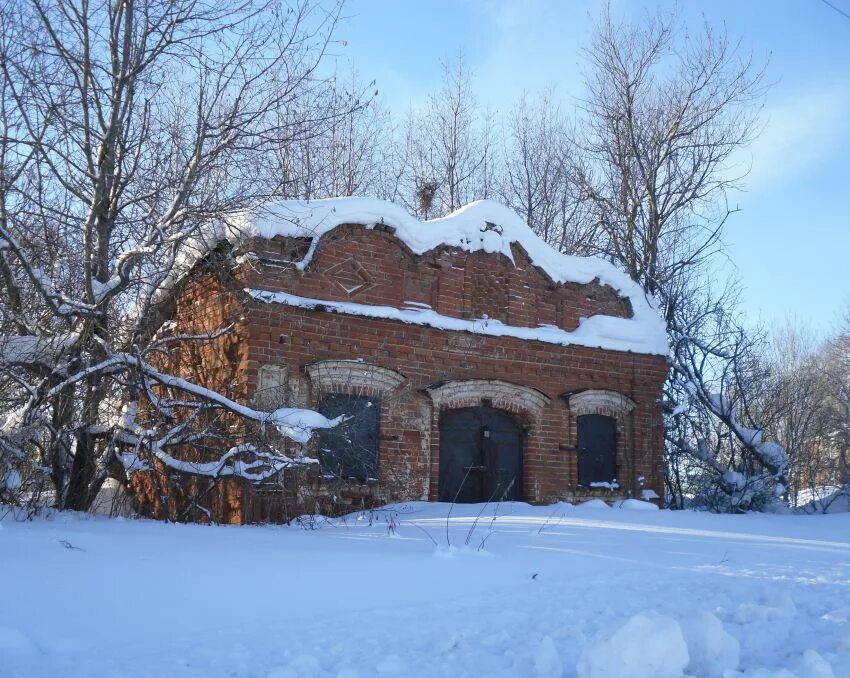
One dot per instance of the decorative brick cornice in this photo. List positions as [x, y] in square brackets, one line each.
[500, 394]
[353, 376]
[596, 401]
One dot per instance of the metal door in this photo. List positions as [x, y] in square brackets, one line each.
[597, 441]
[480, 455]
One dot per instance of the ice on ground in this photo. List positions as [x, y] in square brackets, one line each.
[648, 644]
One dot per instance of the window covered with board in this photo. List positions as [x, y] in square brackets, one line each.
[597, 442]
[350, 449]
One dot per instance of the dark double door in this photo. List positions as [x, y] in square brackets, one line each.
[480, 455]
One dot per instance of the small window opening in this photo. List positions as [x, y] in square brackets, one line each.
[597, 442]
[350, 449]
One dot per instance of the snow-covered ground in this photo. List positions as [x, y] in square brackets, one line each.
[563, 590]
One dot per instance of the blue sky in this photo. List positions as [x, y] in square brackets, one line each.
[790, 243]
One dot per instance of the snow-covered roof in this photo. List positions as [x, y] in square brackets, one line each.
[483, 225]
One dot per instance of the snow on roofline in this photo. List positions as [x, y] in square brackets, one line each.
[483, 225]
[599, 331]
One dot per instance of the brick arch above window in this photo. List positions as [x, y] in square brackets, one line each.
[599, 401]
[353, 376]
[496, 393]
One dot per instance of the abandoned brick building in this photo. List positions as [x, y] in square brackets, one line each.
[476, 363]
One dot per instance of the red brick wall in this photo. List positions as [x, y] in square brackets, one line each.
[373, 267]
[379, 269]
[210, 301]
[426, 355]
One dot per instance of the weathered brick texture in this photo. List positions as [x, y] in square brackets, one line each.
[416, 365]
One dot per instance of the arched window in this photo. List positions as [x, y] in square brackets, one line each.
[601, 418]
[597, 442]
[350, 449]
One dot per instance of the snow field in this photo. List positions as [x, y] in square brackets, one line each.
[510, 590]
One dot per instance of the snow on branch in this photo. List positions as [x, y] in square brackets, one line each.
[28, 350]
[242, 461]
[719, 373]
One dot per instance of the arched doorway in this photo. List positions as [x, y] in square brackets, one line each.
[480, 455]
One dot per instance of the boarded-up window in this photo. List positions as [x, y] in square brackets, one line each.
[272, 391]
[350, 449]
[597, 442]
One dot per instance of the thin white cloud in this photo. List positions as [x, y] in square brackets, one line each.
[799, 133]
[533, 45]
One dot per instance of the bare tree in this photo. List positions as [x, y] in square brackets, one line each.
[450, 145]
[714, 430]
[536, 179]
[340, 145]
[836, 368]
[803, 403]
[665, 118]
[128, 128]
[794, 406]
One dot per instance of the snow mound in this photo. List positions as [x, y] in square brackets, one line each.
[648, 644]
[303, 666]
[812, 665]
[392, 665]
[635, 505]
[547, 660]
[775, 606]
[712, 650]
[452, 551]
[837, 501]
[593, 503]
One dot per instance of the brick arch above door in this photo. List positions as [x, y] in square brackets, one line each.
[494, 393]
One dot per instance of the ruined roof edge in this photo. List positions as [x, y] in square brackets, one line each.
[483, 225]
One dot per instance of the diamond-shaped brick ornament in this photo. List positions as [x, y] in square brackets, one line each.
[350, 277]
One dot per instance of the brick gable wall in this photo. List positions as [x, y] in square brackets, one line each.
[372, 267]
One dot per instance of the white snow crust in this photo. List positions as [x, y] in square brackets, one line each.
[517, 591]
[599, 331]
[712, 650]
